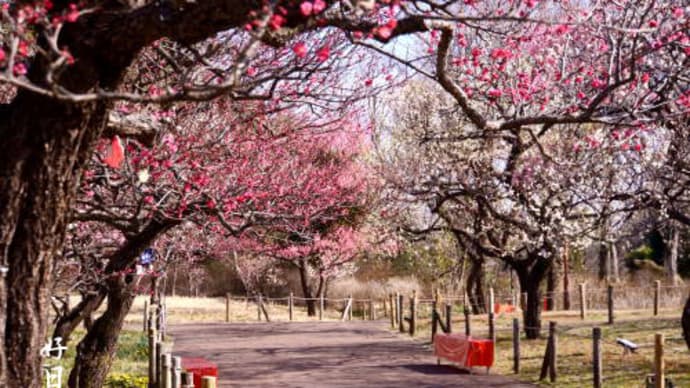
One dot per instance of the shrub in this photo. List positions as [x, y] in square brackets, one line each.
[126, 380]
[133, 346]
[341, 288]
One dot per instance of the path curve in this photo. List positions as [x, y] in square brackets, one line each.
[321, 354]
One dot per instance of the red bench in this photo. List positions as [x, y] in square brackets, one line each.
[503, 308]
[465, 351]
[200, 367]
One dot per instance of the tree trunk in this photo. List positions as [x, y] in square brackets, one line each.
[530, 273]
[306, 286]
[173, 283]
[96, 351]
[613, 260]
[45, 145]
[566, 279]
[671, 259]
[311, 306]
[685, 322]
[532, 314]
[3, 308]
[603, 261]
[81, 312]
[479, 292]
[325, 294]
[551, 283]
[124, 257]
[44, 148]
[474, 287]
[321, 288]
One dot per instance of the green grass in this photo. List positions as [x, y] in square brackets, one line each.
[131, 361]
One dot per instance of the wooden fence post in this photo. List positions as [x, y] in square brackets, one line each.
[553, 337]
[146, 316]
[177, 372]
[162, 317]
[263, 308]
[516, 345]
[657, 296]
[583, 301]
[227, 307]
[346, 309]
[492, 328]
[372, 310]
[659, 376]
[596, 357]
[401, 324]
[152, 319]
[187, 380]
[166, 373]
[468, 324]
[160, 363]
[549, 363]
[390, 300]
[259, 302]
[566, 278]
[609, 302]
[434, 321]
[492, 300]
[413, 312]
[290, 305]
[153, 359]
[321, 306]
[465, 300]
[208, 382]
[449, 317]
[352, 306]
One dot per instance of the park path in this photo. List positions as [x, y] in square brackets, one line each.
[321, 354]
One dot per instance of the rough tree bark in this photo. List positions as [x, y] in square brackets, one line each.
[685, 322]
[531, 272]
[566, 278]
[122, 258]
[66, 324]
[551, 284]
[671, 259]
[173, 282]
[96, 350]
[603, 261]
[45, 146]
[474, 286]
[307, 286]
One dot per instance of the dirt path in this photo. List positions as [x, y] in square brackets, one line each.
[321, 354]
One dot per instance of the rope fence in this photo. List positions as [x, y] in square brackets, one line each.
[583, 299]
[410, 313]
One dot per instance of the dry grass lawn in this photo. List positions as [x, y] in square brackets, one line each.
[575, 347]
[183, 309]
